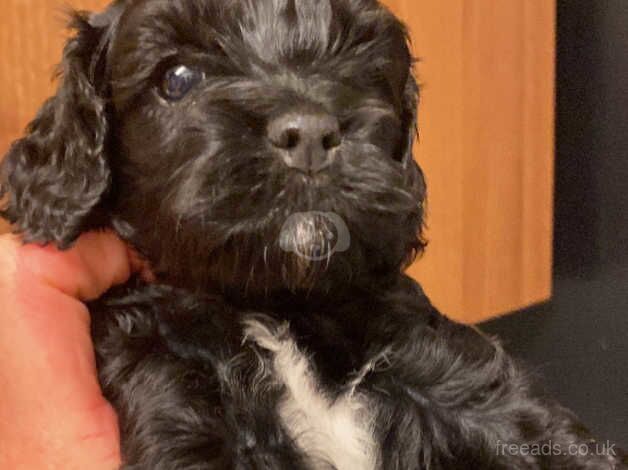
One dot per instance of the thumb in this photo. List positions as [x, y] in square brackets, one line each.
[96, 262]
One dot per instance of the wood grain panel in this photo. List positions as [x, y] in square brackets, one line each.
[31, 37]
[437, 35]
[486, 145]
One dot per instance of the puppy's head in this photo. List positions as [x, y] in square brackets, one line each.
[251, 145]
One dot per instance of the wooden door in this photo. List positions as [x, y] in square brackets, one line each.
[486, 136]
[487, 147]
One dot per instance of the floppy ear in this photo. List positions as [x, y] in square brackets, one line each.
[55, 177]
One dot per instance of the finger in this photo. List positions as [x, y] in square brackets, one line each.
[141, 266]
[97, 262]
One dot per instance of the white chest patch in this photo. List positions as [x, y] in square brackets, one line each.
[338, 432]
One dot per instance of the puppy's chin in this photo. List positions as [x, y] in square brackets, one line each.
[310, 256]
[306, 253]
[310, 253]
[314, 236]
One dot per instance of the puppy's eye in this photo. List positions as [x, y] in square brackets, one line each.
[178, 81]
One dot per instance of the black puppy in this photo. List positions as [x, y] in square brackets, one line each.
[258, 154]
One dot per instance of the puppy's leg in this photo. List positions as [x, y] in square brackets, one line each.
[453, 399]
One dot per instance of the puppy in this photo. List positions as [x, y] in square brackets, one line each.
[259, 154]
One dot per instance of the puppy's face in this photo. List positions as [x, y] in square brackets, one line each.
[256, 146]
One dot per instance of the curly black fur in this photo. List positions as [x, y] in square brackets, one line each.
[205, 367]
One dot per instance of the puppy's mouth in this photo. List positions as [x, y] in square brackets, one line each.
[318, 179]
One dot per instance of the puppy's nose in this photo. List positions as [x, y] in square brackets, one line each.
[305, 140]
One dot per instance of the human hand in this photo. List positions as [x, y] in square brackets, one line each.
[52, 412]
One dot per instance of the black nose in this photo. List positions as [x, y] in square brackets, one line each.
[305, 140]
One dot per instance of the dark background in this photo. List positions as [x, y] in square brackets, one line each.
[578, 343]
